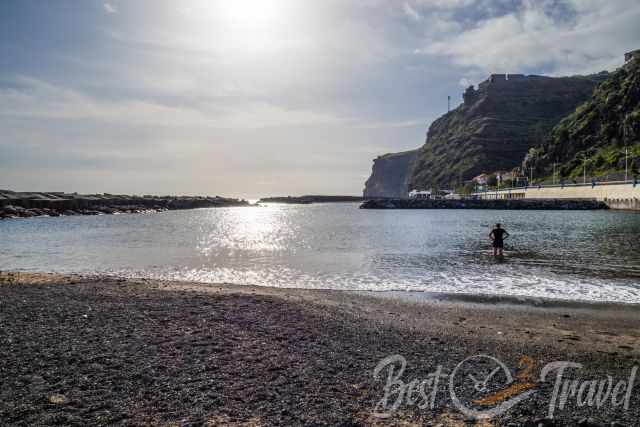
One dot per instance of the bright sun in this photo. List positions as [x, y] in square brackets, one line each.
[244, 27]
[251, 13]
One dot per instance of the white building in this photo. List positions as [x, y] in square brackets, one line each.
[481, 179]
[417, 194]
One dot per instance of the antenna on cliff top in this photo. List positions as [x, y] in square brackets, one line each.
[448, 103]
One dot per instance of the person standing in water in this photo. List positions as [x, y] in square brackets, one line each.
[498, 235]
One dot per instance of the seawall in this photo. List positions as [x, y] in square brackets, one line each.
[616, 195]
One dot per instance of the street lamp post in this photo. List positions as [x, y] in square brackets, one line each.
[584, 170]
[626, 163]
[626, 153]
[554, 173]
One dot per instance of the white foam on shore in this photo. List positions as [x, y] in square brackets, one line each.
[551, 286]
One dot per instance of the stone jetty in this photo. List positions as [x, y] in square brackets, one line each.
[305, 200]
[541, 204]
[25, 205]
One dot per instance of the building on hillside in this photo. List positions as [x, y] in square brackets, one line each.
[504, 176]
[482, 179]
[470, 95]
[418, 194]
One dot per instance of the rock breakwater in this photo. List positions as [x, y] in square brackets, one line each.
[541, 204]
[25, 205]
[305, 200]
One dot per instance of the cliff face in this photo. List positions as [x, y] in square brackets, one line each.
[496, 126]
[492, 130]
[598, 130]
[391, 175]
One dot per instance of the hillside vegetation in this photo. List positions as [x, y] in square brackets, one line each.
[496, 126]
[596, 134]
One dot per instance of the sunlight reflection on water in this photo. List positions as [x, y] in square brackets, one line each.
[571, 255]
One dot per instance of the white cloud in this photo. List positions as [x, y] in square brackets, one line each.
[40, 100]
[320, 91]
[109, 8]
[532, 38]
[444, 4]
[95, 144]
[411, 12]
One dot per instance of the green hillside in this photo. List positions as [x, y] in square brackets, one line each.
[496, 126]
[596, 134]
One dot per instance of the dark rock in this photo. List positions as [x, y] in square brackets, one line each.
[26, 205]
[391, 175]
[588, 422]
[530, 204]
[544, 422]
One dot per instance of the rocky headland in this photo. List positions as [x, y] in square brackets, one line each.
[493, 129]
[391, 175]
[25, 205]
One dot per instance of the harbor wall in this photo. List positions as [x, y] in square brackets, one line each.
[623, 195]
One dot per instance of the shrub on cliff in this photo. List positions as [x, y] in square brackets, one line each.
[496, 128]
[596, 134]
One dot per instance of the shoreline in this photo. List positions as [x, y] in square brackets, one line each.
[495, 299]
[101, 350]
[417, 296]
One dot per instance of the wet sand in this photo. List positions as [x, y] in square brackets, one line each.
[105, 351]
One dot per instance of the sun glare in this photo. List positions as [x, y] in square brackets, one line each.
[251, 13]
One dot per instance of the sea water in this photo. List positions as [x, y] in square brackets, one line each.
[576, 255]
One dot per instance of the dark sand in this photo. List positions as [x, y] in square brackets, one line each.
[98, 351]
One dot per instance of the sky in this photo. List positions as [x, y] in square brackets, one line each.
[249, 98]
